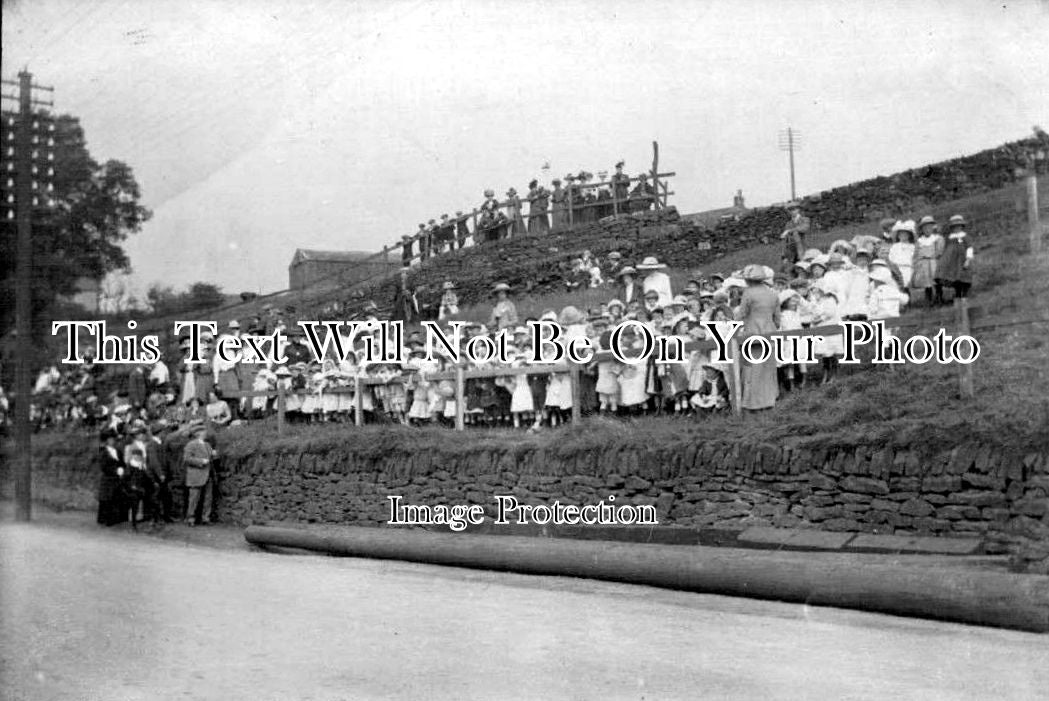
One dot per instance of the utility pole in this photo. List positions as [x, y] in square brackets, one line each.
[790, 141]
[28, 155]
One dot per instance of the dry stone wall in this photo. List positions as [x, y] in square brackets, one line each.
[969, 490]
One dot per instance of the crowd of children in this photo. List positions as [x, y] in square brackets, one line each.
[869, 277]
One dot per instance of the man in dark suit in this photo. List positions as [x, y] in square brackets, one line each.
[462, 230]
[621, 186]
[794, 237]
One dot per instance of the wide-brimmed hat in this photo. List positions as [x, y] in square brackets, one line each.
[679, 300]
[754, 273]
[626, 270]
[956, 220]
[803, 265]
[732, 281]
[489, 193]
[835, 258]
[821, 260]
[571, 315]
[811, 254]
[887, 221]
[520, 330]
[511, 191]
[184, 344]
[927, 219]
[864, 251]
[681, 316]
[650, 263]
[501, 287]
[448, 285]
[615, 255]
[548, 315]
[234, 324]
[880, 274]
[615, 303]
[878, 262]
[787, 294]
[907, 225]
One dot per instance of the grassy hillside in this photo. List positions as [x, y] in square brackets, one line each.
[869, 404]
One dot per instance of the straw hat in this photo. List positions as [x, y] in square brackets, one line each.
[679, 301]
[927, 219]
[448, 285]
[835, 259]
[883, 275]
[803, 265]
[571, 315]
[754, 273]
[651, 263]
[616, 303]
[811, 254]
[734, 281]
[626, 270]
[957, 220]
[548, 315]
[501, 287]
[681, 316]
[785, 295]
[821, 260]
[489, 193]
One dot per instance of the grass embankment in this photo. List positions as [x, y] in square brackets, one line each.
[906, 405]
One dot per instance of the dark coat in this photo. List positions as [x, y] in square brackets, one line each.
[136, 387]
[110, 489]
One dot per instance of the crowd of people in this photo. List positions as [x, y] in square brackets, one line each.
[870, 277]
[573, 201]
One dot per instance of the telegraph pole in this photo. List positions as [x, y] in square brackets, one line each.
[28, 141]
[790, 140]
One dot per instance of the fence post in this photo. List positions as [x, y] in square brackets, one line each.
[573, 379]
[568, 199]
[358, 402]
[965, 372]
[737, 378]
[1034, 226]
[280, 408]
[460, 398]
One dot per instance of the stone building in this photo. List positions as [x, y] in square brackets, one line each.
[310, 267]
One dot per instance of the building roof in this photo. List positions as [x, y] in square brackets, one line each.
[309, 254]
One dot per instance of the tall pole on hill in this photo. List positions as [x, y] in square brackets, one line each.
[26, 138]
[790, 140]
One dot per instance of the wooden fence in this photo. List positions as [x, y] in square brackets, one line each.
[966, 318]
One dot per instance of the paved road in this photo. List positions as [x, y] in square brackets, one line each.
[88, 614]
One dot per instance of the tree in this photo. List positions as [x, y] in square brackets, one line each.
[96, 209]
[203, 295]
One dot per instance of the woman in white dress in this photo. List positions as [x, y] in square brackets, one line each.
[901, 253]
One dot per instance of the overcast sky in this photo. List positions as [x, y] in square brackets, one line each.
[256, 127]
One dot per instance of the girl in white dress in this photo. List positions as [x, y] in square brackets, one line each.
[901, 253]
[826, 314]
[521, 403]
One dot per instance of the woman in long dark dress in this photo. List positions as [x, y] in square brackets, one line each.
[111, 507]
[759, 312]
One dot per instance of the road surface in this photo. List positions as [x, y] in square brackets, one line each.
[92, 614]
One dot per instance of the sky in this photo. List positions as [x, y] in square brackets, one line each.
[258, 127]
